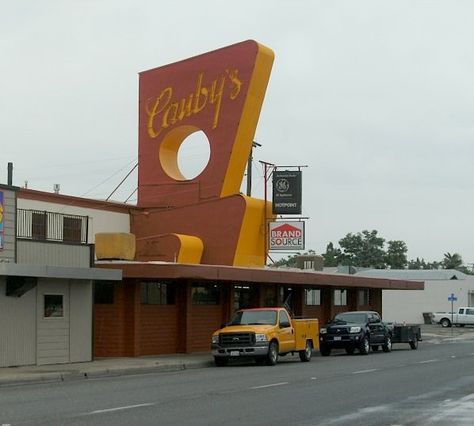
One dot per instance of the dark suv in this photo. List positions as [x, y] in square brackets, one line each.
[359, 330]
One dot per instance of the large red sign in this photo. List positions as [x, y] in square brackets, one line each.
[219, 93]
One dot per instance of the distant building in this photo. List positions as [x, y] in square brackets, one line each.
[409, 306]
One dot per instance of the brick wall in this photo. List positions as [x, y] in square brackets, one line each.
[158, 329]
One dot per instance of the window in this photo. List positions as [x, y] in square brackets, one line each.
[157, 293]
[308, 264]
[104, 293]
[340, 298]
[284, 318]
[72, 227]
[53, 306]
[363, 297]
[469, 311]
[242, 295]
[205, 294]
[38, 225]
[313, 297]
[461, 311]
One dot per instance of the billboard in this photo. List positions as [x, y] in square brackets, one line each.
[286, 235]
[2, 221]
[286, 192]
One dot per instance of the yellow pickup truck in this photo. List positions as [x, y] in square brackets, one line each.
[264, 334]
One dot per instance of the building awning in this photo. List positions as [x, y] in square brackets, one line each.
[163, 270]
[43, 271]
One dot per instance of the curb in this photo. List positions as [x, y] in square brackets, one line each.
[55, 377]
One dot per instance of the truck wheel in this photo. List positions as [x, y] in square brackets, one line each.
[387, 346]
[305, 355]
[272, 355]
[414, 343]
[364, 346]
[350, 350]
[445, 322]
[221, 361]
[324, 350]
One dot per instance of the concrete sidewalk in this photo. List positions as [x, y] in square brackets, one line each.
[165, 363]
[103, 367]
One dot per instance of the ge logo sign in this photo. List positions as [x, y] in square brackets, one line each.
[282, 185]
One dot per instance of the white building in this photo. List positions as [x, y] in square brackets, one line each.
[46, 276]
[409, 306]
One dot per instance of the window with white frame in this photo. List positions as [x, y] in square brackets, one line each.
[340, 297]
[313, 297]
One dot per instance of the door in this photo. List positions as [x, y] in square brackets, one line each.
[469, 317]
[377, 329]
[286, 333]
[52, 322]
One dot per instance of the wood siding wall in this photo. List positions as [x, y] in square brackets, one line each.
[53, 254]
[18, 328]
[7, 254]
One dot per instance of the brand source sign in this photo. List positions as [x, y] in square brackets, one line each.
[286, 235]
[286, 192]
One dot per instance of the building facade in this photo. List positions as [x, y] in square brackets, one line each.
[46, 283]
[408, 306]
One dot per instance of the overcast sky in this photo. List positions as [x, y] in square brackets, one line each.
[376, 97]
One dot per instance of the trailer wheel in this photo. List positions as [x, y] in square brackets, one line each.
[305, 355]
[445, 322]
[414, 343]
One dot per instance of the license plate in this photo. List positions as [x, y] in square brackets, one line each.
[234, 353]
[337, 337]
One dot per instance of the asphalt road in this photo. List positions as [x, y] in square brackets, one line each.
[433, 385]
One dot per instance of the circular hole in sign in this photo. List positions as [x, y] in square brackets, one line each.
[193, 155]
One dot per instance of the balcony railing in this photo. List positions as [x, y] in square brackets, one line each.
[40, 225]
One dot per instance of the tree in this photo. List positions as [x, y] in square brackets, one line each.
[452, 261]
[363, 249]
[290, 261]
[332, 255]
[417, 264]
[396, 256]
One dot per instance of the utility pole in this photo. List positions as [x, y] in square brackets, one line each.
[249, 168]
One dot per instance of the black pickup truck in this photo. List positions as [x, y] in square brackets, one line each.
[359, 330]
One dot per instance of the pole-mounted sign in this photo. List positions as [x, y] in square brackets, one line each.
[286, 192]
[286, 235]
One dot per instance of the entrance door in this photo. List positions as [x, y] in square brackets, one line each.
[52, 322]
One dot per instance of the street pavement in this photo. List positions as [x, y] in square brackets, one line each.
[103, 367]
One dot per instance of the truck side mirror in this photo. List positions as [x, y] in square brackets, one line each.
[285, 324]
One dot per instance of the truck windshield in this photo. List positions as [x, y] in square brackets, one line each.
[254, 317]
[350, 318]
